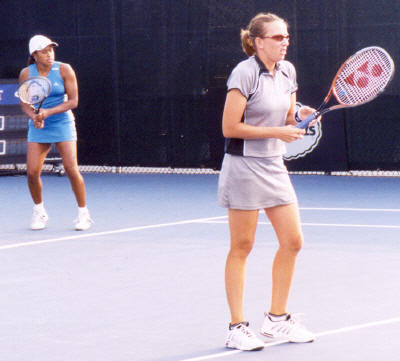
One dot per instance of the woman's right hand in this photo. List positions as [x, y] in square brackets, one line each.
[38, 120]
[289, 133]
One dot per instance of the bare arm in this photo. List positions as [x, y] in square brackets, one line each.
[26, 108]
[233, 127]
[71, 89]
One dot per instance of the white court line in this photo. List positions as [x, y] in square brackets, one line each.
[105, 233]
[319, 334]
[351, 225]
[351, 209]
[203, 220]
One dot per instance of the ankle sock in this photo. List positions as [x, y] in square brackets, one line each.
[38, 207]
[232, 326]
[82, 210]
[277, 318]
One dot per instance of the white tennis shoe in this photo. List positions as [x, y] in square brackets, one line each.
[39, 219]
[242, 338]
[290, 329]
[83, 221]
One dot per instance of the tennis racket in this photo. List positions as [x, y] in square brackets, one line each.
[360, 79]
[34, 91]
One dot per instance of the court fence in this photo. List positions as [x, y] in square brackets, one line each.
[55, 166]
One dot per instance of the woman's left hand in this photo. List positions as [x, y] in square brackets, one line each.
[305, 111]
[38, 119]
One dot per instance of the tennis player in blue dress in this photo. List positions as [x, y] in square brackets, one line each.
[55, 123]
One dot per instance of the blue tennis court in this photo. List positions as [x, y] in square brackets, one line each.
[146, 282]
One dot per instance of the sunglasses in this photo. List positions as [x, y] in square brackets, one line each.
[279, 37]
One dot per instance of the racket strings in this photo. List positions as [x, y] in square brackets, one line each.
[363, 77]
[34, 91]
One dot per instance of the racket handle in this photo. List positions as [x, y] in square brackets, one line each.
[305, 122]
[38, 108]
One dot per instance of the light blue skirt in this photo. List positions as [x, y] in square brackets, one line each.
[57, 128]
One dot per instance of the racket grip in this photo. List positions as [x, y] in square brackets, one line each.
[305, 122]
[38, 108]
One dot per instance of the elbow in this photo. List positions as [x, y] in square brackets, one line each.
[228, 131]
[74, 104]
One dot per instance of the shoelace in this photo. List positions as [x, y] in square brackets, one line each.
[286, 326]
[39, 214]
[297, 318]
[246, 331]
[77, 220]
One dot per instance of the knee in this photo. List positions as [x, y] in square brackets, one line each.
[294, 244]
[242, 247]
[33, 175]
[73, 172]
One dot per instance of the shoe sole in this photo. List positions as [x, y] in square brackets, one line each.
[81, 229]
[233, 346]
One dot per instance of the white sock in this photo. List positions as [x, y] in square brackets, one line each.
[82, 210]
[38, 207]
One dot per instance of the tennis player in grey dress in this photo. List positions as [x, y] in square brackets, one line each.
[259, 118]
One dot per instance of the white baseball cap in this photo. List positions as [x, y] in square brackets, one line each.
[39, 42]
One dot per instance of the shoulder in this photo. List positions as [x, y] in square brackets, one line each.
[23, 74]
[65, 66]
[287, 68]
[247, 66]
[244, 77]
[245, 71]
[66, 69]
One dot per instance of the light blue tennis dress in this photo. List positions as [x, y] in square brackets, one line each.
[58, 127]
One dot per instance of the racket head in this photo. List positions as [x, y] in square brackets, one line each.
[34, 90]
[363, 76]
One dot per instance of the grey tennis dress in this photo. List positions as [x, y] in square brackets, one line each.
[253, 174]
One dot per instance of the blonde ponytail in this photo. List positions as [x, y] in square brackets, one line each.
[247, 42]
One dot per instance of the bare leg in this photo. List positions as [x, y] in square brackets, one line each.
[36, 155]
[242, 225]
[286, 223]
[70, 161]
